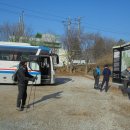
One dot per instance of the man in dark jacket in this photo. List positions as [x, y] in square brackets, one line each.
[126, 78]
[106, 74]
[23, 77]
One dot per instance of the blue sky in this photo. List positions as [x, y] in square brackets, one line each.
[110, 18]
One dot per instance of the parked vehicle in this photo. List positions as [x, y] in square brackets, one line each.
[40, 61]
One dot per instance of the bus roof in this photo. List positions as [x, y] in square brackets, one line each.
[13, 45]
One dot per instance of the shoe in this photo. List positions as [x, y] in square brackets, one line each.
[95, 86]
[106, 90]
[19, 109]
[26, 106]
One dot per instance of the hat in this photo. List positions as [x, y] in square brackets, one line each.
[106, 65]
[97, 66]
[22, 62]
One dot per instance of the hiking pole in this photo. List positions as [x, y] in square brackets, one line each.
[29, 97]
[34, 92]
[34, 96]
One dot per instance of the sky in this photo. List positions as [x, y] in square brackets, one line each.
[110, 18]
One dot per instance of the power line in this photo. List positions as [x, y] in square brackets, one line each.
[44, 18]
[31, 15]
[94, 27]
[10, 11]
[33, 11]
[104, 30]
[57, 18]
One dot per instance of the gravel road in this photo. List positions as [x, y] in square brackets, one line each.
[71, 104]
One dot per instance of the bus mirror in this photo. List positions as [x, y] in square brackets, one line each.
[55, 59]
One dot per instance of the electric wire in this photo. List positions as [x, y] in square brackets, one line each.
[33, 11]
[37, 14]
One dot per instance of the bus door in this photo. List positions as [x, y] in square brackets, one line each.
[116, 76]
[45, 69]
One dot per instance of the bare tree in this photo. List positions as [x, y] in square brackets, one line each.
[121, 42]
[99, 47]
[102, 46]
[14, 32]
[87, 49]
[72, 45]
[95, 48]
[5, 31]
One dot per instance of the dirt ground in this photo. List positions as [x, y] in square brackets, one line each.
[71, 104]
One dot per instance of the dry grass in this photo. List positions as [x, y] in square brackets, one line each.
[122, 109]
[125, 109]
[115, 90]
[83, 113]
[106, 59]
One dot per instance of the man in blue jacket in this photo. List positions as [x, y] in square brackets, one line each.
[106, 74]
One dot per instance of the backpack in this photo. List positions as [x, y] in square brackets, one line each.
[94, 72]
[98, 71]
[14, 76]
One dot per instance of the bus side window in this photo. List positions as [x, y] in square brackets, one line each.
[18, 58]
[0, 56]
[5, 55]
[15, 56]
[4, 58]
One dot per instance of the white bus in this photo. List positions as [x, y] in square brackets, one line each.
[41, 62]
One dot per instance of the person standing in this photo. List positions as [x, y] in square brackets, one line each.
[126, 78]
[23, 77]
[96, 74]
[106, 75]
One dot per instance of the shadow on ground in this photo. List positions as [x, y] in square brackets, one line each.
[125, 92]
[56, 95]
[62, 80]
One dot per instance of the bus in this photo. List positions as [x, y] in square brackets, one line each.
[121, 60]
[40, 59]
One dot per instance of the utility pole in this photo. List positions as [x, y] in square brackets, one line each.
[69, 24]
[78, 20]
[79, 28]
[21, 28]
[21, 24]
